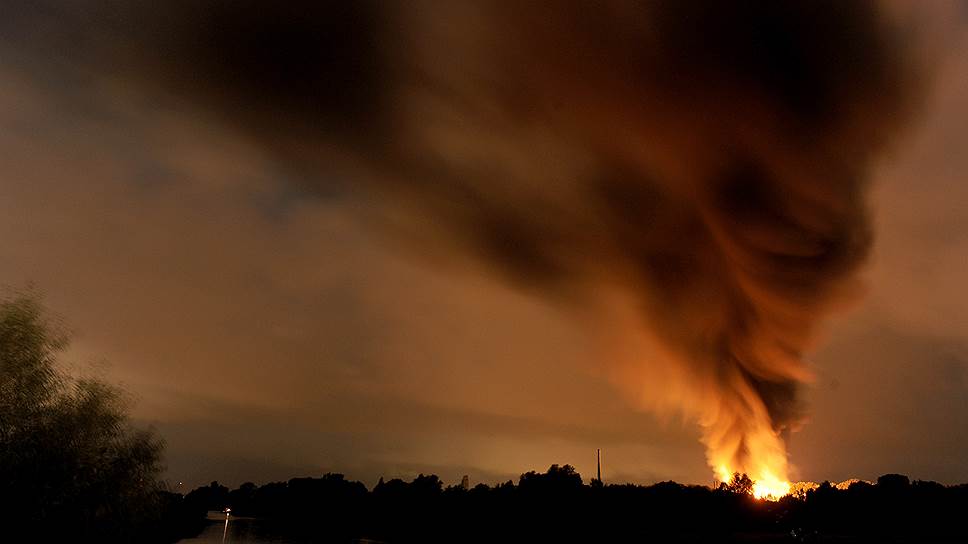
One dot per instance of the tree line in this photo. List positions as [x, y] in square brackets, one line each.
[557, 506]
[74, 468]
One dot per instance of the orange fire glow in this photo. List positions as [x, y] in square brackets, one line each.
[740, 438]
[766, 485]
[770, 488]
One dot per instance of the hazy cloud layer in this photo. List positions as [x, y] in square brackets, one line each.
[263, 296]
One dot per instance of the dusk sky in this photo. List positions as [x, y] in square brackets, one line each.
[271, 322]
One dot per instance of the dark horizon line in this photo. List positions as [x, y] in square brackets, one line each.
[515, 481]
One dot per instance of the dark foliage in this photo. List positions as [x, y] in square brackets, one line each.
[739, 483]
[556, 506]
[72, 467]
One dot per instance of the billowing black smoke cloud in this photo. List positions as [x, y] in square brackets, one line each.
[709, 158]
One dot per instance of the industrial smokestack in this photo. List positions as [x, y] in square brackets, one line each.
[600, 466]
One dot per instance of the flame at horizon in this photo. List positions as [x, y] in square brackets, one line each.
[708, 160]
[764, 460]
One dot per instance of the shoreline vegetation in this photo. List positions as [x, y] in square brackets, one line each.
[557, 506]
[74, 468]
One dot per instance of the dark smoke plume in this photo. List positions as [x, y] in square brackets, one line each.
[709, 158]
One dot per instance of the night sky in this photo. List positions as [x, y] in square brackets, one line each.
[272, 321]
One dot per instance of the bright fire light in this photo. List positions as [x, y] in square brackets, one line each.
[767, 486]
[770, 488]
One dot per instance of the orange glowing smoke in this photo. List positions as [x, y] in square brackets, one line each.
[709, 160]
[740, 438]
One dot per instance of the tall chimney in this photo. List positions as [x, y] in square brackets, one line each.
[599, 465]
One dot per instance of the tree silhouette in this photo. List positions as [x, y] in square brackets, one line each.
[741, 484]
[70, 461]
[550, 507]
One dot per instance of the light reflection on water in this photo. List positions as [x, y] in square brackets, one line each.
[237, 531]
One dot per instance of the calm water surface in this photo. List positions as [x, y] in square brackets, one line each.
[238, 531]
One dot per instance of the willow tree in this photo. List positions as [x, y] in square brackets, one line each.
[71, 462]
